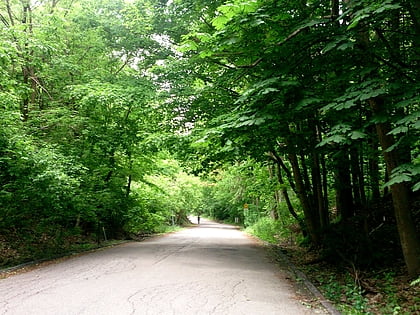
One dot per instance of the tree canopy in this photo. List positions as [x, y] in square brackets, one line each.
[305, 111]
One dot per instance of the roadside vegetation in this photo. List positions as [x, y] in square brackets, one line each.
[356, 281]
[298, 120]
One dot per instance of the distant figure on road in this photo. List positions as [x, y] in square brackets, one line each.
[198, 219]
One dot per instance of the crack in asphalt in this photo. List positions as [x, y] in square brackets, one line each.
[211, 269]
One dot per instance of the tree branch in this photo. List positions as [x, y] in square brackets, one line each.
[389, 48]
[124, 64]
[10, 13]
[3, 19]
[280, 162]
[291, 35]
[35, 79]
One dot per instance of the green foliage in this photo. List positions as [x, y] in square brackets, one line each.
[164, 198]
[373, 10]
[37, 183]
[142, 221]
[92, 91]
[79, 126]
[267, 229]
[405, 173]
[336, 291]
[388, 279]
[415, 282]
[244, 192]
[233, 9]
[311, 83]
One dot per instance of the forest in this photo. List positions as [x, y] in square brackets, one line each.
[298, 120]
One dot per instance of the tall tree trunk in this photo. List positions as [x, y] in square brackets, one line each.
[311, 222]
[292, 211]
[274, 211]
[324, 179]
[373, 164]
[317, 188]
[362, 184]
[355, 176]
[400, 192]
[305, 176]
[400, 195]
[317, 179]
[374, 179]
[28, 71]
[279, 163]
[325, 189]
[286, 170]
[344, 197]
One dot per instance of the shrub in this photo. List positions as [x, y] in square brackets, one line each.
[266, 229]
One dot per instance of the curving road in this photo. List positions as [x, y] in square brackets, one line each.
[209, 269]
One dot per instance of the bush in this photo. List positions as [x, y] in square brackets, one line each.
[266, 229]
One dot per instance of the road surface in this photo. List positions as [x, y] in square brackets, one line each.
[208, 269]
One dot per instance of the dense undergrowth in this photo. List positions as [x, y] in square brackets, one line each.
[17, 249]
[374, 283]
[108, 107]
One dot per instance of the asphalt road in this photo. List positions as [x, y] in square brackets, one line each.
[209, 269]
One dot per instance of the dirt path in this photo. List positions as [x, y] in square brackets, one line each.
[210, 269]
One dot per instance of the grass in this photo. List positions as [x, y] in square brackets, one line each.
[266, 229]
[370, 292]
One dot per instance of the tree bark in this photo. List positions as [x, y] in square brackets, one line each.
[355, 178]
[324, 177]
[310, 217]
[28, 70]
[400, 196]
[344, 197]
[279, 163]
[305, 177]
[318, 191]
[274, 213]
[286, 171]
[373, 165]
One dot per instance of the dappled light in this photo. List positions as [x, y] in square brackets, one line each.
[296, 121]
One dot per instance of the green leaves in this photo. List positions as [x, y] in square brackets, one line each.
[252, 120]
[340, 42]
[408, 123]
[409, 173]
[233, 185]
[219, 22]
[81, 72]
[373, 10]
[188, 45]
[356, 94]
[44, 183]
[233, 9]
[225, 80]
[262, 88]
[342, 134]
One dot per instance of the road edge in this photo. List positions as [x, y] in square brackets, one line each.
[9, 271]
[301, 277]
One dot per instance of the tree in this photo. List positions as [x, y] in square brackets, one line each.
[77, 73]
[294, 95]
